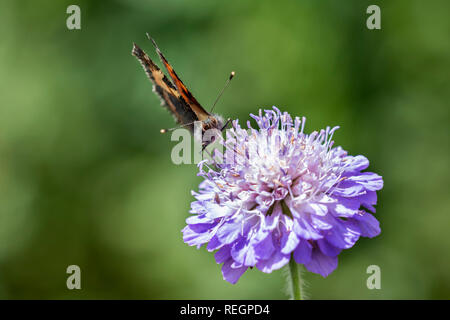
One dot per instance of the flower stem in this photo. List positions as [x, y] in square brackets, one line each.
[295, 278]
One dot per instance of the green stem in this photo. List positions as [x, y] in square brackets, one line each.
[295, 279]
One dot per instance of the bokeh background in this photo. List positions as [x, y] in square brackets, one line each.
[86, 178]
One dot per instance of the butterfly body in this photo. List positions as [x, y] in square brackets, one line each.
[175, 96]
[212, 122]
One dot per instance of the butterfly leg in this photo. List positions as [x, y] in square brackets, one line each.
[226, 124]
[204, 149]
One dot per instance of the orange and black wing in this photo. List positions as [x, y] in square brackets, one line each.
[201, 113]
[170, 96]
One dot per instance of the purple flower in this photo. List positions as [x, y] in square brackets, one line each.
[277, 192]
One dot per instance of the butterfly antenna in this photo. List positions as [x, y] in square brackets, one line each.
[226, 86]
[171, 129]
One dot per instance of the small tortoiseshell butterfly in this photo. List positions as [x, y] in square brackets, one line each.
[176, 97]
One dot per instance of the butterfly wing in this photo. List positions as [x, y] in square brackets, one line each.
[201, 113]
[170, 96]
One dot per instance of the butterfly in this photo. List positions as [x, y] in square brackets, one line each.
[176, 97]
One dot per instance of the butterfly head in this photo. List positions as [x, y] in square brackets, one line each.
[213, 122]
[212, 128]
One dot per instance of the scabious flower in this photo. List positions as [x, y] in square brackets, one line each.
[276, 193]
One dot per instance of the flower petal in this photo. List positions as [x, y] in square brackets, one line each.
[305, 230]
[243, 252]
[321, 263]
[356, 163]
[229, 231]
[368, 225]
[342, 235]
[271, 221]
[327, 248]
[345, 207]
[230, 274]
[302, 254]
[275, 262]
[265, 248]
[368, 200]
[369, 180]
[348, 188]
[193, 238]
[222, 255]
[289, 242]
[214, 244]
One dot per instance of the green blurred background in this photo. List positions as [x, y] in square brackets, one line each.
[86, 178]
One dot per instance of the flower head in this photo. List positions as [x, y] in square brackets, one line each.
[277, 192]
